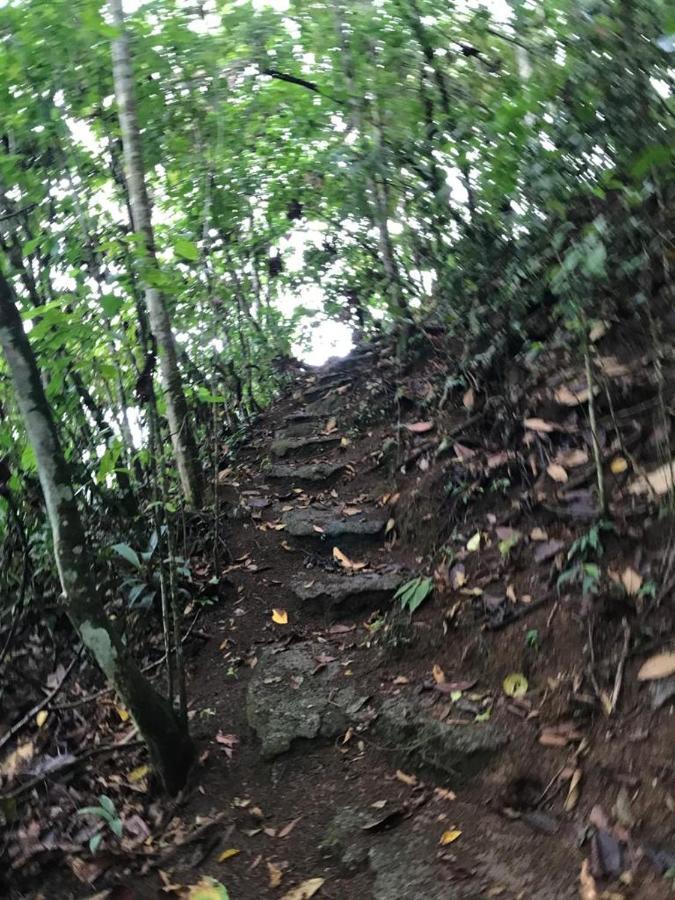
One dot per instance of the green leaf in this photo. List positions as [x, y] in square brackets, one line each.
[95, 842]
[126, 552]
[186, 249]
[111, 304]
[107, 804]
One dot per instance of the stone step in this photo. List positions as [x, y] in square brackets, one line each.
[301, 445]
[314, 472]
[296, 696]
[300, 429]
[453, 752]
[312, 522]
[342, 594]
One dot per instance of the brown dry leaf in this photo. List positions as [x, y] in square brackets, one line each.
[318, 529]
[346, 562]
[351, 511]
[469, 399]
[286, 830]
[557, 473]
[567, 397]
[574, 790]
[401, 679]
[660, 481]
[275, 873]
[572, 458]
[610, 366]
[420, 427]
[305, 890]
[14, 762]
[539, 425]
[410, 780]
[538, 534]
[599, 329]
[41, 718]
[631, 580]
[618, 465]
[438, 673]
[280, 616]
[660, 666]
[331, 425]
[587, 889]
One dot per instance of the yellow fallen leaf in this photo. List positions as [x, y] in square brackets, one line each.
[538, 534]
[557, 473]
[280, 616]
[346, 562]
[122, 713]
[660, 666]
[305, 890]
[618, 465]
[438, 673]
[138, 774]
[449, 837]
[473, 543]
[208, 889]
[41, 718]
[275, 873]
[345, 442]
[410, 780]
[631, 580]
[515, 685]
[13, 762]
[228, 854]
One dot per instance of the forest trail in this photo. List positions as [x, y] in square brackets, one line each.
[377, 753]
[349, 748]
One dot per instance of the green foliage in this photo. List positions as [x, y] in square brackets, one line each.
[105, 810]
[413, 593]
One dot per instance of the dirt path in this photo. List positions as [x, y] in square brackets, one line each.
[360, 751]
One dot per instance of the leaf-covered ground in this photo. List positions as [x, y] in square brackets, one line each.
[539, 650]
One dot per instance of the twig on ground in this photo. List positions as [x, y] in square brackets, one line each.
[16, 728]
[618, 678]
[517, 614]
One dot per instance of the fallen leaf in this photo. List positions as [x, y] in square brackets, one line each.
[305, 890]
[547, 550]
[473, 543]
[420, 427]
[41, 718]
[228, 854]
[346, 562]
[449, 837]
[344, 442]
[351, 511]
[515, 685]
[599, 329]
[660, 666]
[14, 761]
[208, 889]
[391, 524]
[469, 399]
[573, 792]
[457, 577]
[438, 673]
[660, 481]
[631, 580]
[568, 397]
[538, 534]
[286, 830]
[228, 742]
[618, 465]
[138, 774]
[462, 452]
[331, 425]
[557, 473]
[275, 873]
[572, 458]
[410, 780]
[122, 713]
[318, 529]
[539, 425]
[587, 889]
[280, 616]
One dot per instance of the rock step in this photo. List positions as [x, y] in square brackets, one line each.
[300, 429]
[295, 695]
[342, 594]
[299, 445]
[319, 523]
[324, 385]
[456, 752]
[311, 472]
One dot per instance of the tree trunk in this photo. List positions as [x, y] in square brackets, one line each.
[182, 436]
[171, 749]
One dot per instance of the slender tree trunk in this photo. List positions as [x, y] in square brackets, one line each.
[182, 436]
[171, 749]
